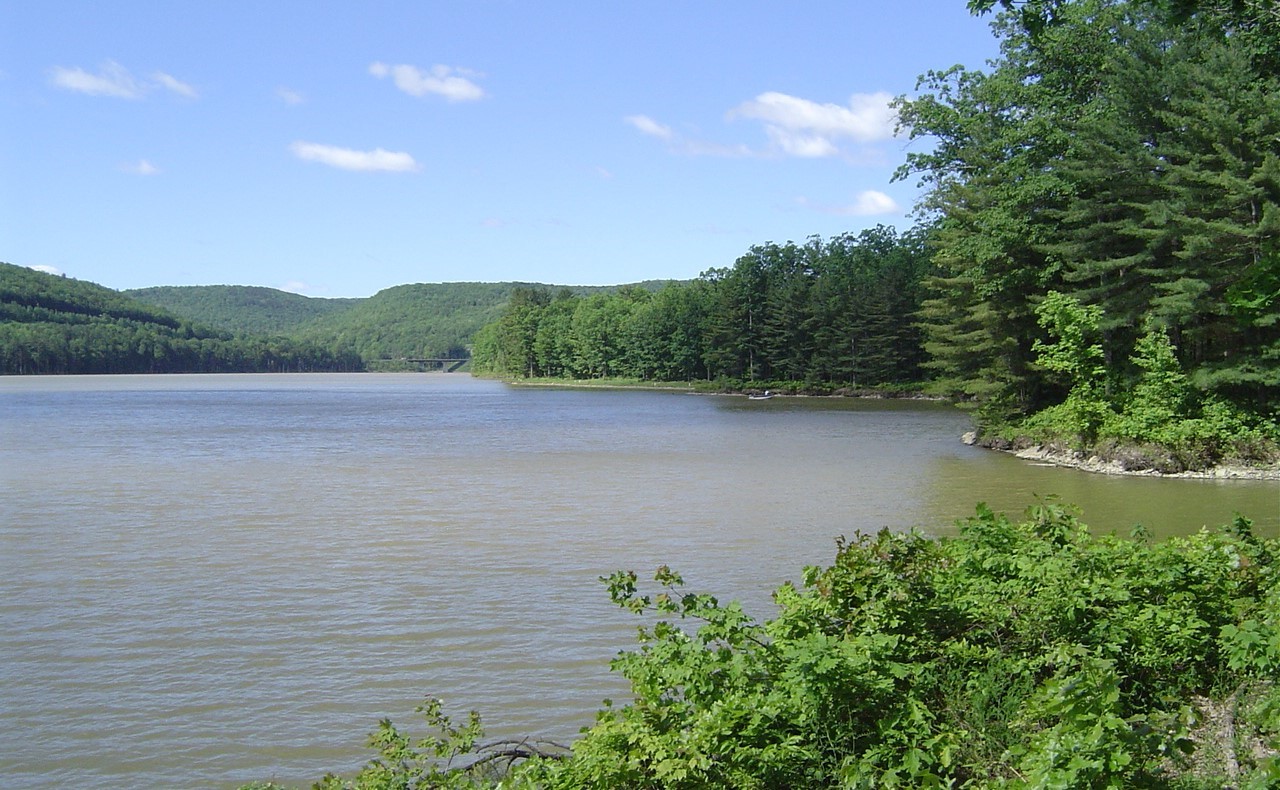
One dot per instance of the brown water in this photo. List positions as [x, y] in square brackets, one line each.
[209, 580]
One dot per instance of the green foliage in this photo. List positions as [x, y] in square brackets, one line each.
[1157, 421]
[450, 757]
[1162, 394]
[1074, 354]
[1017, 654]
[241, 308]
[425, 320]
[1076, 357]
[54, 324]
[818, 315]
[1122, 152]
[30, 296]
[58, 325]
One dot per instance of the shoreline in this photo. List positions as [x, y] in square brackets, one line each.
[1072, 459]
[1041, 454]
[695, 388]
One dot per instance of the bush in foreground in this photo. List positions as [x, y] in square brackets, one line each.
[1017, 654]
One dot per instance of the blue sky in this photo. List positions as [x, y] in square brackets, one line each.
[339, 148]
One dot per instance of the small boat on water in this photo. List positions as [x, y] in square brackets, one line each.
[757, 396]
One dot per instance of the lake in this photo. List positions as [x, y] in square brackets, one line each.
[210, 580]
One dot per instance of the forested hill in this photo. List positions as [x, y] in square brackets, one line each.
[52, 324]
[430, 320]
[418, 320]
[241, 308]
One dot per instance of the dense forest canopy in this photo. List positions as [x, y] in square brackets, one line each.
[1106, 209]
[833, 312]
[51, 324]
[241, 308]
[1124, 155]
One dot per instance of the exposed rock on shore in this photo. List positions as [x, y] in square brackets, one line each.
[1119, 461]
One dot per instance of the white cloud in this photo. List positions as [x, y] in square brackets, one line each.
[115, 80]
[290, 96]
[799, 127]
[870, 203]
[454, 84]
[649, 126]
[48, 270]
[795, 127]
[808, 146]
[111, 80]
[296, 287]
[140, 168]
[350, 159]
[174, 84]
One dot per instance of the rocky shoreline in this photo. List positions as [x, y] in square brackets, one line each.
[1075, 459]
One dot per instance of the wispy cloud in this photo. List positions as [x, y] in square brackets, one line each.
[682, 144]
[111, 80]
[706, 148]
[350, 159]
[452, 83]
[297, 287]
[171, 83]
[870, 203]
[650, 127]
[115, 80]
[140, 168]
[803, 128]
[288, 96]
[48, 269]
[794, 126]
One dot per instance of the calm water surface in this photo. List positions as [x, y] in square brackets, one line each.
[210, 580]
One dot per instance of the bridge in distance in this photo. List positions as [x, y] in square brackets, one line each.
[448, 365]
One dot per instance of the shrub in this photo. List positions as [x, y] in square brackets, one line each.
[1016, 654]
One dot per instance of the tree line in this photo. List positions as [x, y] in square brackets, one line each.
[1125, 155]
[59, 325]
[1108, 188]
[825, 313]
